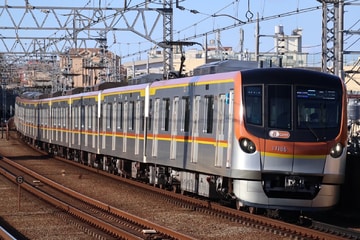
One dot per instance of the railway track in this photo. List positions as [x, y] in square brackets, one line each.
[279, 228]
[315, 230]
[113, 223]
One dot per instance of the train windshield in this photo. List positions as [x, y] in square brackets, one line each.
[288, 107]
[253, 102]
[317, 108]
[279, 105]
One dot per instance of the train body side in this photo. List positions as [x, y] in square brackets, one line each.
[214, 135]
[194, 140]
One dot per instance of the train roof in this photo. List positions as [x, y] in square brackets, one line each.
[106, 85]
[228, 65]
[195, 79]
[31, 95]
[126, 88]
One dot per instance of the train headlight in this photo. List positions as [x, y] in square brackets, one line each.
[337, 150]
[247, 145]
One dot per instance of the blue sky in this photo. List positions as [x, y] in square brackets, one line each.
[186, 24]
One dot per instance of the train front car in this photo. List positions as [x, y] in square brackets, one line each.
[291, 134]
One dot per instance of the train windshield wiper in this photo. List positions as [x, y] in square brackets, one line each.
[312, 131]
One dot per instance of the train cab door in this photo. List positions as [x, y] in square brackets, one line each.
[229, 103]
[174, 126]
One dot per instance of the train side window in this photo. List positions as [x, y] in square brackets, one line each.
[185, 114]
[109, 113]
[119, 117]
[150, 115]
[113, 114]
[82, 116]
[90, 113]
[54, 116]
[208, 114]
[65, 119]
[103, 118]
[86, 116]
[62, 116]
[142, 113]
[131, 115]
[60, 119]
[95, 116]
[42, 116]
[165, 114]
[79, 117]
[75, 117]
[253, 104]
[46, 114]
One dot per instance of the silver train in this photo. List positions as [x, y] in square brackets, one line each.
[262, 138]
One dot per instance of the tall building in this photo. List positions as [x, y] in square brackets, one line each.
[85, 67]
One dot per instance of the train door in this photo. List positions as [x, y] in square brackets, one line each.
[71, 125]
[174, 127]
[119, 118]
[104, 125]
[37, 121]
[82, 133]
[86, 135]
[68, 124]
[195, 130]
[154, 149]
[52, 122]
[41, 122]
[230, 103]
[114, 126]
[219, 146]
[61, 120]
[126, 118]
[137, 126]
[47, 122]
[279, 107]
[78, 126]
[93, 123]
[63, 124]
[56, 124]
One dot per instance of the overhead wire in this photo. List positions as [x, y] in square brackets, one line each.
[195, 36]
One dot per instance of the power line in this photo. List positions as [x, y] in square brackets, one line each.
[240, 23]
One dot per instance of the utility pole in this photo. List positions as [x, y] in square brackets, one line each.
[332, 36]
[168, 36]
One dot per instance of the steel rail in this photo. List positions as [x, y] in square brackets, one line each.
[105, 207]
